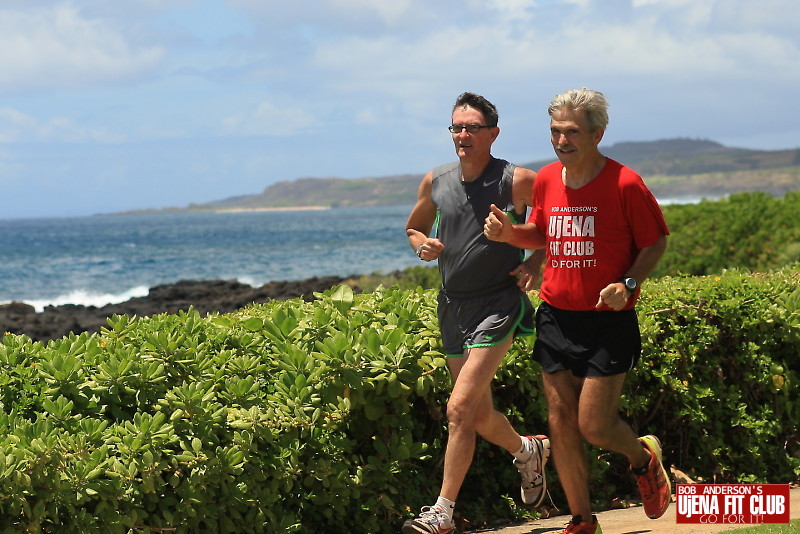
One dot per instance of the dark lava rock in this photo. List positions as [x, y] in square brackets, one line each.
[221, 296]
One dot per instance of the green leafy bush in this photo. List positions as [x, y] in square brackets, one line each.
[752, 231]
[720, 367]
[328, 416]
[281, 417]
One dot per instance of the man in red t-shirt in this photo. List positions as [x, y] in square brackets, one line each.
[604, 234]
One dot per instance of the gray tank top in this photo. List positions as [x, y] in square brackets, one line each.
[470, 264]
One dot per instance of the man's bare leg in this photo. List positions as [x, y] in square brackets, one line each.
[563, 390]
[470, 411]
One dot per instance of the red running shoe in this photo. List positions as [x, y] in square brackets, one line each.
[653, 480]
[578, 526]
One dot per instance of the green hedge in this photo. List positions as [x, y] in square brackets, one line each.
[328, 416]
[753, 231]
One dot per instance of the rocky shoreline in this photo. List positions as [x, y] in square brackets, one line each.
[221, 296]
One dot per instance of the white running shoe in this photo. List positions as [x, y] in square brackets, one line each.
[534, 482]
[432, 520]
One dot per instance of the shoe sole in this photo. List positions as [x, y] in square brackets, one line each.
[413, 529]
[654, 446]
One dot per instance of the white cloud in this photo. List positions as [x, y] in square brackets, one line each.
[16, 126]
[695, 49]
[56, 47]
[666, 3]
[670, 41]
[389, 12]
[270, 120]
[521, 10]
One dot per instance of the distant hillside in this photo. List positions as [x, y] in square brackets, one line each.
[327, 192]
[675, 157]
[672, 168]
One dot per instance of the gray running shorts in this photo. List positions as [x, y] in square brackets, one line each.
[483, 321]
[588, 343]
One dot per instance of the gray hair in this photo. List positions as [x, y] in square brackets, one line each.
[593, 103]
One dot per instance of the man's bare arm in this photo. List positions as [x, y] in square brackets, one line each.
[420, 223]
[498, 227]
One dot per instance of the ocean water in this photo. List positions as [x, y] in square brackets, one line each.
[106, 259]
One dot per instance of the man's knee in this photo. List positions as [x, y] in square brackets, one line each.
[458, 414]
[469, 416]
[561, 414]
[596, 430]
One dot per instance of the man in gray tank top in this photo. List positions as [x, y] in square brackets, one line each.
[483, 303]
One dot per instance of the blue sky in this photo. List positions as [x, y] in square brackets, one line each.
[133, 104]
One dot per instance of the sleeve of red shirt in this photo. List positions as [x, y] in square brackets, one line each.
[535, 215]
[642, 209]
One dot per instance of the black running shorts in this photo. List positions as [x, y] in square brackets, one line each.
[588, 343]
[483, 321]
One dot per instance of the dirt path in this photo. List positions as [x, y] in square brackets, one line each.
[633, 521]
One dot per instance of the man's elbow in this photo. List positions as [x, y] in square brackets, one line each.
[662, 243]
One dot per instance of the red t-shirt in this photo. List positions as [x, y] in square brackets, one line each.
[593, 233]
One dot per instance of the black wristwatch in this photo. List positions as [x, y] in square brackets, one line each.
[630, 283]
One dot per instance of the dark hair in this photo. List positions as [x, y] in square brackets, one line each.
[481, 104]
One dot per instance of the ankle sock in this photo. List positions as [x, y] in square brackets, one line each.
[447, 505]
[526, 450]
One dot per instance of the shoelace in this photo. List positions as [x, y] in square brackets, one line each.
[535, 479]
[533, 482]
[431, 513]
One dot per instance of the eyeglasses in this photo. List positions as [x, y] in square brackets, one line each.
[471, 128]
